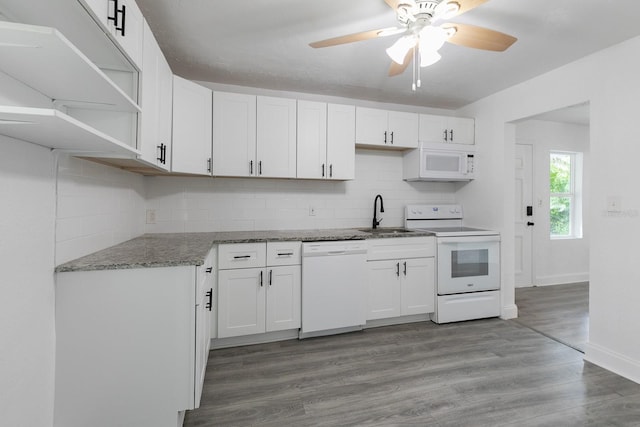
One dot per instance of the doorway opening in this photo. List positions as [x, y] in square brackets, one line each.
[551, 237]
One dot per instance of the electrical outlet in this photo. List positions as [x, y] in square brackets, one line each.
[312, 211]
[151, 216]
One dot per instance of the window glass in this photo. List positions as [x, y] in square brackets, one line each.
[563, 201]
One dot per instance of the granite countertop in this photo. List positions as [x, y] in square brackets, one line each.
[179, 249]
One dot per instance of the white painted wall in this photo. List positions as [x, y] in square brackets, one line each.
[223, 204]
[610, 81]
[27, 338]
[559, 260]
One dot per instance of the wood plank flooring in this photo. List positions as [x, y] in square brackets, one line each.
[479, 373]
[560, 312]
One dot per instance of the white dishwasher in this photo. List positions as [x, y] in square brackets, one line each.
[333, 287]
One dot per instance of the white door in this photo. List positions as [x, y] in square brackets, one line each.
[234, 134]
[371, 126]
[403, 129]
[283, 298]
[312, 140]
[418, 286]
[383, 293]
[241, 302]
[276, 137]
[191, 146]
[341, 141]
[523, 232]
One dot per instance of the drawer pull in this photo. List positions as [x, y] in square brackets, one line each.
[242, 256]
[209, 295]
[209, 269]
[285, 253]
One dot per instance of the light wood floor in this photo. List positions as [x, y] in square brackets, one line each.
[560, 312]
[479, 373]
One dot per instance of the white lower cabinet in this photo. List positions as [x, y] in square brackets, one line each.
[261, 299]
[400, 286]
[131, 344]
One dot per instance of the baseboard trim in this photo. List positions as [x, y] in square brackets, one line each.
[509, 312]
[397, 320]
[561, 279]
[253, 339]
[612, 361]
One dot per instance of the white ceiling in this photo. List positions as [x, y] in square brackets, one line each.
[264, 43]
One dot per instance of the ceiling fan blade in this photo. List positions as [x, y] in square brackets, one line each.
[479, 37]
[466, 5]
[397, 69]
[357, 37]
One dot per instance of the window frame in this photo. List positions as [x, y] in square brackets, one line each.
[574, 195]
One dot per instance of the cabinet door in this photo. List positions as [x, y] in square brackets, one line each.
[234, 134]
[204, 309]
[165, 107]
[418, 286]
[371, 126]
[403, 129]
[101, 9]
[383, 299]
[341, 138]
[312, 140]
[283, 298]
[241, 302]
[276, 137]
[431, 128]
[191, 150]
[462, 130]
[129, 31]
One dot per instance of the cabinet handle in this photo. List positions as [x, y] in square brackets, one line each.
[210, 302]
[260, 167]
[323, 170]
[209, 269]
[160, 147]
[331, 171]
[398, 269]
[391, 138]
[405, 268]
[270, 275]
[445, 135]
[209, 165]
[164, 153]
[261, 279]
[114, 18]
[385, 136]
[251, 167]
[285, 253]
[123, 12]
[242, 256]
[451, 135]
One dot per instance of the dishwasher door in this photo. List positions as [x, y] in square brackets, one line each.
[333, 286]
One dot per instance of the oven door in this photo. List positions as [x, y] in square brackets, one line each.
[468, 264]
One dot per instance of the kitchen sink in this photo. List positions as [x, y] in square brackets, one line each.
[385, 230]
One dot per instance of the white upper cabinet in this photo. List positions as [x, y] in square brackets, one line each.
[456, 130]
[312, 140]
[191, 145]
[124, 22]
[156, 86]
[276, 137]
[341, 138]
[234, 134]
[388, 129]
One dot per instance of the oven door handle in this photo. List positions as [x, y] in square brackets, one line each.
[469, 239]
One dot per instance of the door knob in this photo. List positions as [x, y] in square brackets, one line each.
[529, 224]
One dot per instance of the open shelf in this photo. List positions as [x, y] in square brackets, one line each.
[54, 129]
[43, 59]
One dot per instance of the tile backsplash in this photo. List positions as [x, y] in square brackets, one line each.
[185, 204]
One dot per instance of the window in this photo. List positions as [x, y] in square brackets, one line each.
[565, 211]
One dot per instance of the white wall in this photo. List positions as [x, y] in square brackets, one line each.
[559, 260]
[223, 204]
[27, 338]
[610, 81]
[98, 206]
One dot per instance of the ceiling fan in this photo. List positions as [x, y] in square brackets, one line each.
[421, 39]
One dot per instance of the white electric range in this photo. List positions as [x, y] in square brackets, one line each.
[468, 263]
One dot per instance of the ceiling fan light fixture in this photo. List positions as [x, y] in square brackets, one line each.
[429, 58]
[448, 10]
[432, 38]
[400, 48]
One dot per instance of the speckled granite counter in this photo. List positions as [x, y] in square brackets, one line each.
[174, 249]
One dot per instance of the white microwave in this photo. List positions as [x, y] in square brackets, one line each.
[440, 162]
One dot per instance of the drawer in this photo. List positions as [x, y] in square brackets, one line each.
[242, 255]
[283, 253]
[401, 247]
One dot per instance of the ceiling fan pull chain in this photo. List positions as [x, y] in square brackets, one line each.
[417, 65]
[413, 85]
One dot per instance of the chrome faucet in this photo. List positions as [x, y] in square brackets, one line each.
[375, 205]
